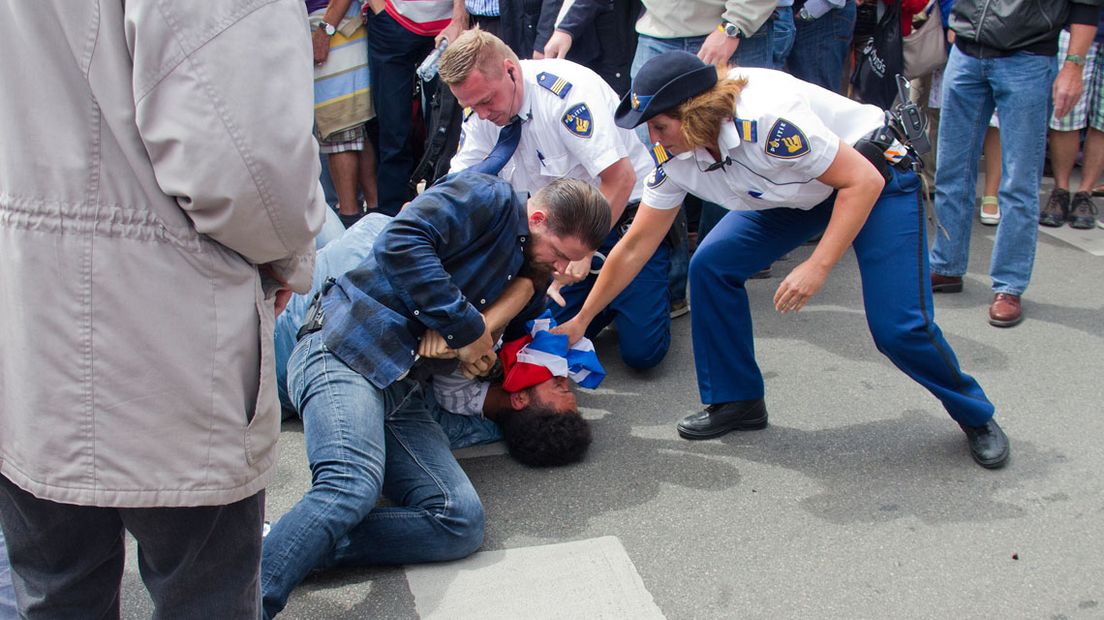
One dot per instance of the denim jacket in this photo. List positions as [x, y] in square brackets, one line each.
[438, 265]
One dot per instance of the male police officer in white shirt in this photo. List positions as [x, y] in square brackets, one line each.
[534, 121]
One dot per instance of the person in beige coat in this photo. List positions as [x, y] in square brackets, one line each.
[158, 195]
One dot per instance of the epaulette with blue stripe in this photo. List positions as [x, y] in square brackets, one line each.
[557, 85]
[659, 154]
[746, 129]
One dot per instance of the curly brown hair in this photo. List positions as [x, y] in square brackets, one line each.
[702, 115]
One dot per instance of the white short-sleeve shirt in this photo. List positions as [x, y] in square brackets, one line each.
[568, 130]
[785, 134]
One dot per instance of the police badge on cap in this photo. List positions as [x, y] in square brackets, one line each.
[664, 82]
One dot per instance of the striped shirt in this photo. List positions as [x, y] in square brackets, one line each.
[482, 8]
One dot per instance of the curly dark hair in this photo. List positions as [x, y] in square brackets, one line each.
[538, 436]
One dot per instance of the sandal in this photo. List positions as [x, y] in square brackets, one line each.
[989, 218]
[1098, 190]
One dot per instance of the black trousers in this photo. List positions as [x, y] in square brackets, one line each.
[197, 562]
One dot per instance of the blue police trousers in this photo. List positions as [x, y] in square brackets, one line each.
[893, 261]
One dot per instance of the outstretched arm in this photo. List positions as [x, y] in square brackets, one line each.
[627, 258]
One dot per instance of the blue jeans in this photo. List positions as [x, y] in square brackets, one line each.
[331, 229]
[342, 251]
[821, 47]
[641, 311]
[784, 34]
[895, 287]
[362, 442]
[1019, 85]
[7, 593]
[394, 53]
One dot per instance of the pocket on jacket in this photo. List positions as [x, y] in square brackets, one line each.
[262, 424]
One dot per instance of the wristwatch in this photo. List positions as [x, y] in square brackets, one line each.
[1076, 59]
[730, 30]
[327, 28]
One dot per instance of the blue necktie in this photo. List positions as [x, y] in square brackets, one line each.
[508, 138]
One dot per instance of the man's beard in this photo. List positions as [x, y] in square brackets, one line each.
[538, 271]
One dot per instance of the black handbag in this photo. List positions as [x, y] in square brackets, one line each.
[880, 60]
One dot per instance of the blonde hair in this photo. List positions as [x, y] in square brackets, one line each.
[702, 115]
[474, 49]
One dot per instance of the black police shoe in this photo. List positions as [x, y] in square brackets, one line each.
[988, 444]
[718, 419]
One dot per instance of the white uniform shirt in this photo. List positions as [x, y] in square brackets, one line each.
[572, 136]
[786, 133]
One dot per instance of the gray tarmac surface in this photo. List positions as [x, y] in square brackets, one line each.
[860, 499]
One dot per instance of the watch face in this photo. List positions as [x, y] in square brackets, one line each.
[330, 30]
[732, 31]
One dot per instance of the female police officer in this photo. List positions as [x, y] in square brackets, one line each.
[777, 152]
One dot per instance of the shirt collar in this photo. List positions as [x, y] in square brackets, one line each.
[525, 111]
[728, 140]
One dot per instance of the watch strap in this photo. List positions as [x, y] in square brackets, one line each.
[1076, 59]
[730, 30]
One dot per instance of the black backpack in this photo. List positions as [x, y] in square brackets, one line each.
[444, 118]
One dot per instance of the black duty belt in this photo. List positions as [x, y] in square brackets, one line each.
[873, 147]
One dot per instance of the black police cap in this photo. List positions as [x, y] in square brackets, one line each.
[663, 83]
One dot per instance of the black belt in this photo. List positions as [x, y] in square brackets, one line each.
[873, 146]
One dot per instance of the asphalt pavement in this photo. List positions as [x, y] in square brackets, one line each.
[860, 499]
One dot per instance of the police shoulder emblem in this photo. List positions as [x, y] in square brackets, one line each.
[578, 121]
[557, 85]
[656, 178]
[659, 154]
[748, 130]
[786, 141]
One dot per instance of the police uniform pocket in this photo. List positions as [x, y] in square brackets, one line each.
[556, 166]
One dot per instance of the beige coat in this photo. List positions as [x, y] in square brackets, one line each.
[152, 153]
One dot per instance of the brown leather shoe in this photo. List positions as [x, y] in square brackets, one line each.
[946, 284]
[1005, 310]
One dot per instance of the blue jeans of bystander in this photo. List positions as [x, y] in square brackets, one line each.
[1019, 85]
[821, 47]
